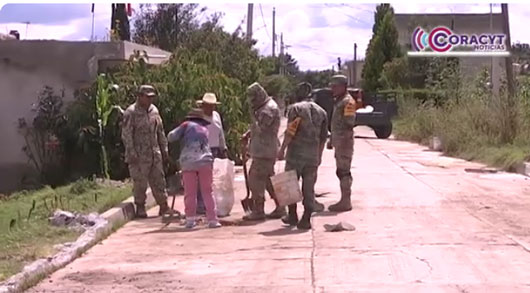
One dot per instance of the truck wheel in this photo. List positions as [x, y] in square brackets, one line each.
[383, 132]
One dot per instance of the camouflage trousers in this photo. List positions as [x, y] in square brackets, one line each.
[259, 177]
[309, 178]
[152, 174]
[343, 158]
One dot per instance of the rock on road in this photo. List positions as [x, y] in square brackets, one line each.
[423, 224]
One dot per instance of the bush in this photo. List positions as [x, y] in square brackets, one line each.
[471, 127]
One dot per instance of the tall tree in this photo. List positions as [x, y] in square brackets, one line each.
[383, 47]
[380, 11]
[167, 26]
[120, 22]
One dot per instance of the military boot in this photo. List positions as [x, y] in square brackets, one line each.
[278, 213]
[291, 218]
[257, 213]
[305, 221]
[319, 207]
[343, 205]
[164, 209]
[140, 211]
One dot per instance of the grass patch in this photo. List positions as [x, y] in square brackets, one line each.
[476, 127]
[26, 234]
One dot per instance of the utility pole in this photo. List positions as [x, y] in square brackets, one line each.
[339, 64]
[177, 26]
[491, 32]
[282, 56]
[250, 15]
[355, 65]
[274, 32]
[510, 129]
[27, 25]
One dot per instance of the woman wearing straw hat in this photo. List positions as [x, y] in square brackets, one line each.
[216, 136]
[196, 161]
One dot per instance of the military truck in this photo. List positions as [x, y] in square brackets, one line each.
[380, 119]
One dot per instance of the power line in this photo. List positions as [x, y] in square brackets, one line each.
[264, 24]
[305, 47]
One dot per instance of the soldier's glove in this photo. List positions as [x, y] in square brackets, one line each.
[329, 146]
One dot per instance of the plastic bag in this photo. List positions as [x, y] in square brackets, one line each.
[223, 186]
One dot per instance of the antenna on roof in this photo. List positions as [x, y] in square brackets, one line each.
[27, 25]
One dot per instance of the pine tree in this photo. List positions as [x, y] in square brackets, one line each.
[383, 47]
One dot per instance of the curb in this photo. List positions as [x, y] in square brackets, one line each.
[41, 268]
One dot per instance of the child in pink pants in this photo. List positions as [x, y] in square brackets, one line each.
[196, 162]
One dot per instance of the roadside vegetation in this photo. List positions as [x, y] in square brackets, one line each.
[436, 100]
[26, 233]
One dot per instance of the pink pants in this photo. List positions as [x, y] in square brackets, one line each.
[204, 176]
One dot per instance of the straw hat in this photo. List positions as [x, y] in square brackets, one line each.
[208, 98]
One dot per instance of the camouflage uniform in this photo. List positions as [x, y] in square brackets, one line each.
[342, 123]
[307, 125]
[146, 150]
[264, 144]
[305, 137]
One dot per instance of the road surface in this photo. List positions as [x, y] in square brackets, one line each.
[423, 224]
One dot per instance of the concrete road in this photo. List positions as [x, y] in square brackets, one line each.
[423, 224]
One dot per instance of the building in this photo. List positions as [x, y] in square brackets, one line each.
[461, 24]
[27, 66]
[353, 70]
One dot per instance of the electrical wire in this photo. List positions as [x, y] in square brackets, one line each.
[264, 24]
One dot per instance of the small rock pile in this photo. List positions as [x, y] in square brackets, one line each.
[74, 221]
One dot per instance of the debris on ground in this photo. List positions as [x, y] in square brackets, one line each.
[75, 221]
[341, 226]
[111, 183]
[482, 170]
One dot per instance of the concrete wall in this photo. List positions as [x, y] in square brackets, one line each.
[349, 72]
[459, 23]
[26, 67]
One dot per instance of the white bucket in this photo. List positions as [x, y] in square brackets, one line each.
[287, 188]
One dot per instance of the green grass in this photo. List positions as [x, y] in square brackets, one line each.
[26, 234]
[472, 129]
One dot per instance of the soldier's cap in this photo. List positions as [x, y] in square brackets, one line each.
[303, 90]
[305, 86]
[147, 90]
[339, 79]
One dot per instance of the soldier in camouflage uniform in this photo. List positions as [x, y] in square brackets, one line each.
[342, 123]
[146, 150]
[264, 145]
[305, 139]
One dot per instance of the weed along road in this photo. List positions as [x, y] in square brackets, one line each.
[423, 224]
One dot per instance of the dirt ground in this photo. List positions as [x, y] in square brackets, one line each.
[423, 224]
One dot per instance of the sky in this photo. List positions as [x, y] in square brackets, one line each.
[315, 34]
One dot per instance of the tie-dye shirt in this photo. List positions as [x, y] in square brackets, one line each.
[195, 152]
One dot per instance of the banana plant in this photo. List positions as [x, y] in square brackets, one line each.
[104, 108]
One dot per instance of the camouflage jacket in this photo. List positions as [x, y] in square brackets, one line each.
[264, 142]
[143, 135]
[343, 119]
[308, 125]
